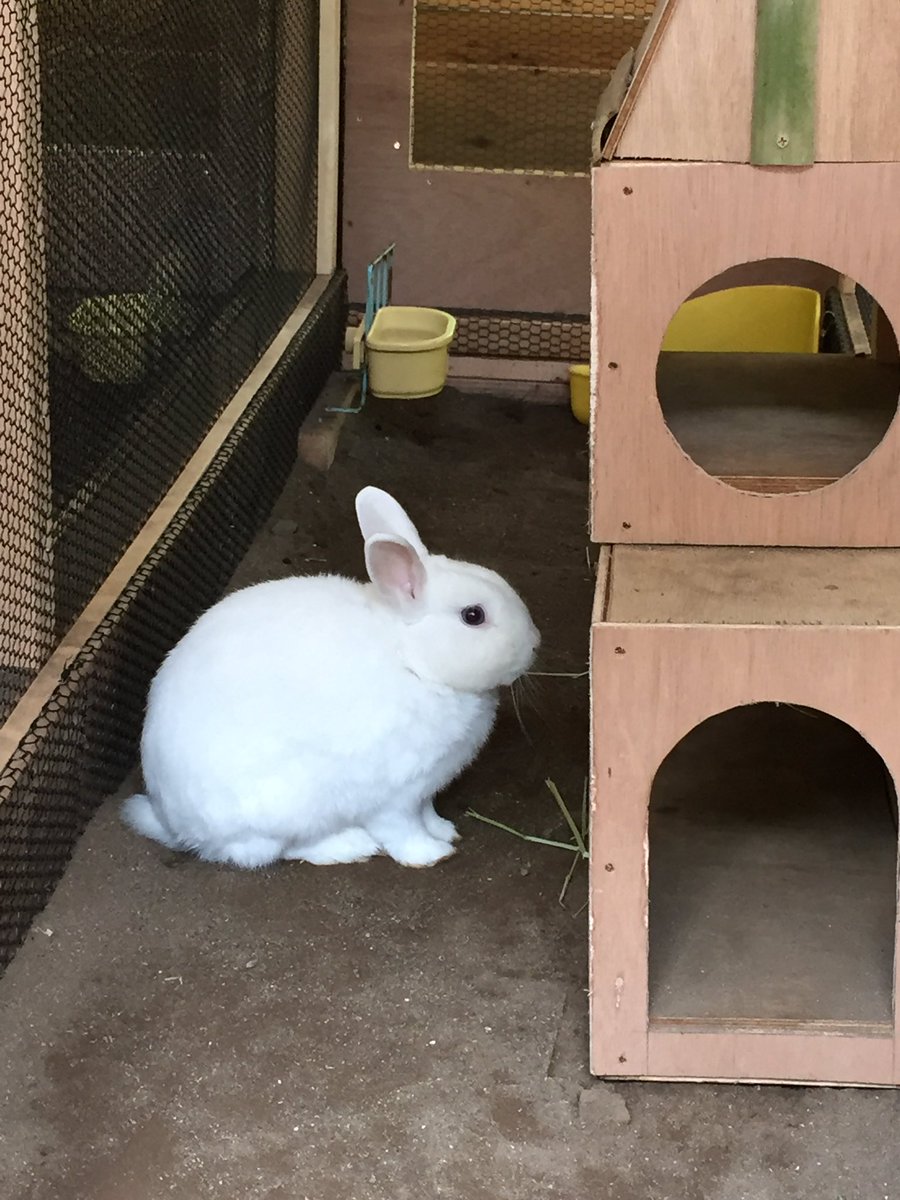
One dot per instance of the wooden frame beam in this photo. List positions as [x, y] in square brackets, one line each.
[329, 136]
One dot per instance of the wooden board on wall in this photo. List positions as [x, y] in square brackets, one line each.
[686, 111]
[464, 239]
[589, 41]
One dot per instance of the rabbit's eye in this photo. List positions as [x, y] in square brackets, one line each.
[473, 615]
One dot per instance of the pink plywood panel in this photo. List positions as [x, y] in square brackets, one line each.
[679, 106]
[777, 1058]
[858, 99]
[684, 111]
[648, 691]
[661, 231]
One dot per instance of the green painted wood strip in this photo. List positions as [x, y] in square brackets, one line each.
[784, 92]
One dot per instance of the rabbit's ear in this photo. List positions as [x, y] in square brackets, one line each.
[396, 569]
[379, 513]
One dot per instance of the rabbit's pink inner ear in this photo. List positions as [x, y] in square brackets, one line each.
[379, 513]
[395, 568]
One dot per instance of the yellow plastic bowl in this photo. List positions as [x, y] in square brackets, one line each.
[407, 351]
[766, 319]
[580, 392]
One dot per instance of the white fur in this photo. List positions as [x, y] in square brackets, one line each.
[317, 718]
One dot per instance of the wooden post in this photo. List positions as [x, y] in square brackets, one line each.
[784, 94]
[25, 517]
[329, 135]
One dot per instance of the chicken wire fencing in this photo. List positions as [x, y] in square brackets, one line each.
[513, 85]
[158, 167]
[538, 337]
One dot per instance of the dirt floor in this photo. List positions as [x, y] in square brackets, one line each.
[368, 1032]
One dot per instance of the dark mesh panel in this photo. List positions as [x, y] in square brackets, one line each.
[157, 227]
[179, 172]
[26, 517]
[87, 738]
[866, 306]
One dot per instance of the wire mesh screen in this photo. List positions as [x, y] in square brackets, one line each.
[179, 167]
[158, 164]
[481, 333]
[86, 737]
[514, 85]
[522, 336]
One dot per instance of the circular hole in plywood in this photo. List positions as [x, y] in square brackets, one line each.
[772, 868]
[772, 379]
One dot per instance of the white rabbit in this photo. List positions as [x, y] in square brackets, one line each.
[316, 718]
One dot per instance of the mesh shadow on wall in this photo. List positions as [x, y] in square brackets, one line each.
[514, 86]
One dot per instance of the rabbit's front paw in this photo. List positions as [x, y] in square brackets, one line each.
[407, 840]
[438, 827]
[420, 850]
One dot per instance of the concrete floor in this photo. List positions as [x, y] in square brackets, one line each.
[173, 1029]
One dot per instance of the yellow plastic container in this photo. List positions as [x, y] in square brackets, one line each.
[580, 392]
[768, 319]
[408, 351]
